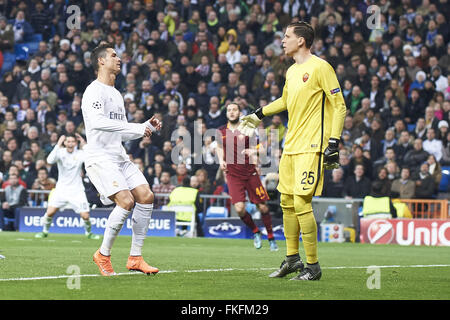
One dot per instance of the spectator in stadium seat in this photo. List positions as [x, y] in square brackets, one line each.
[22, 28]
[389, 155]
[6, 162]
[32, 135]
[403, 146]
[9, 116]
[334, 187]
[414, 158]
[6, 35]
[13, 170]
[14, 196]
[201, 97]
[205, 186]
[442, 131]
[383, 179]
[355, 101]
[276, 125]
[435, 170]
[214, 84]
[164, 186]
[432, 145]
[38, 153]
[13, 146]
[215, 117]
[420, 129]
[425, 186]
[358, 158]
[42, 182]
[440, 82]
[8, 87]
[403, 187]
[419, 82]
[181, 173]
[357, 185]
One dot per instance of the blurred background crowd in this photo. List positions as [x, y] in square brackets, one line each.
[183, 61]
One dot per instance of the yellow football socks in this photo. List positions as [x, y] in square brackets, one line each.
[308, 226]
[290, 224]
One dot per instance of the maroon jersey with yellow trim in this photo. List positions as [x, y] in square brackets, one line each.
[234, 143]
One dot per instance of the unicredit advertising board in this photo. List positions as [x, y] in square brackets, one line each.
[162, 223]
[429, 232]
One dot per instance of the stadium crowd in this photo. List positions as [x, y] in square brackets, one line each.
[183, 61]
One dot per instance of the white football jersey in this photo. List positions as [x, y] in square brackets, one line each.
[69, 168]
[106, 124]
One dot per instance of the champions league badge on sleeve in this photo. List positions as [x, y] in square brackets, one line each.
[334, 91]
[96, 105]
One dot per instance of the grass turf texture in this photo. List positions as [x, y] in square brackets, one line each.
[189, 270]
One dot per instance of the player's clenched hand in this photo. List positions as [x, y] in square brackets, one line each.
[250, 123]
[61, 140]
[153, 124]
[331, 154]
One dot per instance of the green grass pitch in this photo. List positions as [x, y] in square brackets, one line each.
[216, 269]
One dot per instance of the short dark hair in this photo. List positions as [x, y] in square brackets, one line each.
[99, 52]
[186, 181]
[43, 169]
[71, 135]
[305, 30]
[235, 103]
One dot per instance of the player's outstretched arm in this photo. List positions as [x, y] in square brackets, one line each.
[154, 124]
[251, 122]
[53, 156]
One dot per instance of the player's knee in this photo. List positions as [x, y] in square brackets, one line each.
[240, 208]
[263, 208]
[125, 201]
[84, 215]
[149, 198]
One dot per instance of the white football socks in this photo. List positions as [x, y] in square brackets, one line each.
[114, 224]
[87, 226]
[140, 221]
[46, 223]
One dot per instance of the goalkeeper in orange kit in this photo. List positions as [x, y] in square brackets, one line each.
[316, 109]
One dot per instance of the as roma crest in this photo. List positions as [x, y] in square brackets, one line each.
[305, 77]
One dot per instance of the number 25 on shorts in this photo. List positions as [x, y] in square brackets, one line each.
[307, 179]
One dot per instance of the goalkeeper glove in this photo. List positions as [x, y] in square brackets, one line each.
[250, 123]
[331, 154]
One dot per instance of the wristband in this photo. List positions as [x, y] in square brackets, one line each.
[259, 113]
[149, 125]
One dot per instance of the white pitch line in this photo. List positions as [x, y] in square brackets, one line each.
[222, 270]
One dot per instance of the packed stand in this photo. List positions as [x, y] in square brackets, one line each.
[183, 61]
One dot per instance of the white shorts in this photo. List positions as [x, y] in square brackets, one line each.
[68, 199]
[111, 177]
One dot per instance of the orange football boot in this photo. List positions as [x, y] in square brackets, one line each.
[137, 263]
[104, 264]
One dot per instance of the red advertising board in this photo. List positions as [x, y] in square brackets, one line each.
[429, 232]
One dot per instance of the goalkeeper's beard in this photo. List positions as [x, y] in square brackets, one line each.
[235, 121]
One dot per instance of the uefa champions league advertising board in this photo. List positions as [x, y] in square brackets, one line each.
[162, 223]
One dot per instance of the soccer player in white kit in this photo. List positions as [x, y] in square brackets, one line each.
[116, 178]
[69, 190]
